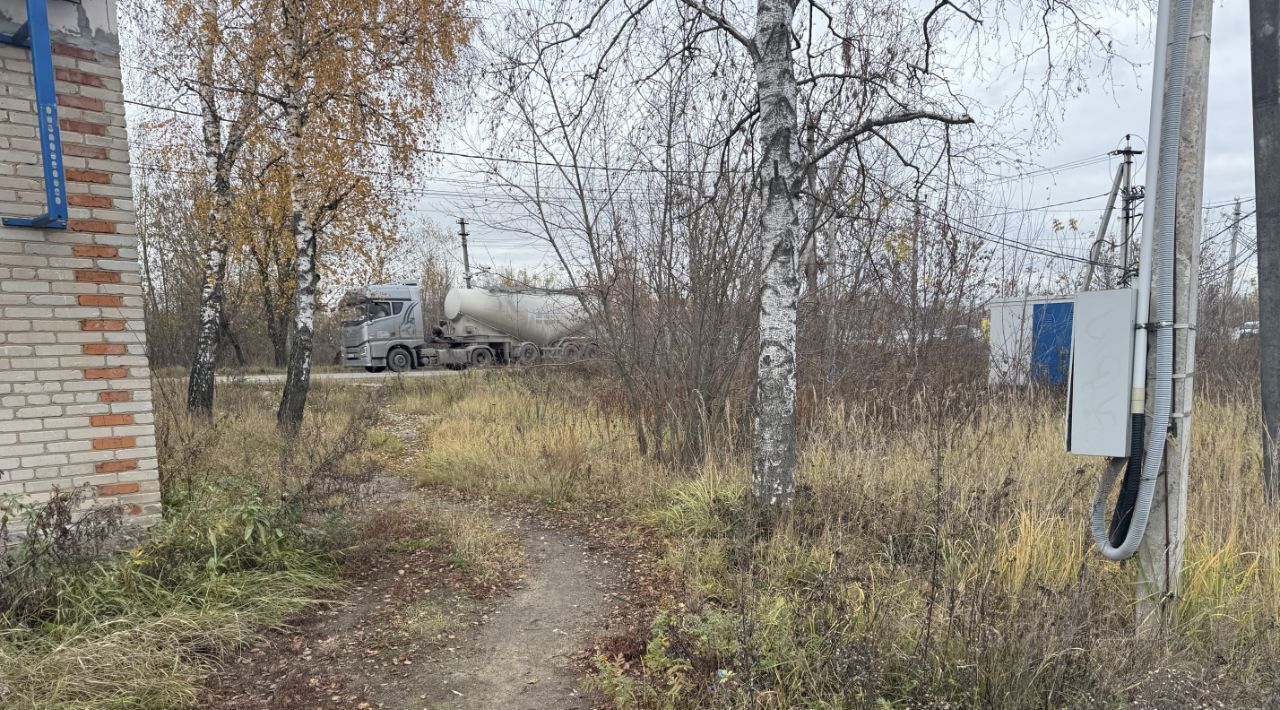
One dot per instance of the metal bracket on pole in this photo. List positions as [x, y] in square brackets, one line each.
[35, 34]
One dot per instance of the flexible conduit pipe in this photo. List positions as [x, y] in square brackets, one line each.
[1169, 80]
[1129, 490]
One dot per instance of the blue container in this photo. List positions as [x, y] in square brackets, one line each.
[1051, 342]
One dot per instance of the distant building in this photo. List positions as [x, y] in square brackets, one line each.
[1030, 340]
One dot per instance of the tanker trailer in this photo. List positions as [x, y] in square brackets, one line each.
[487, 325]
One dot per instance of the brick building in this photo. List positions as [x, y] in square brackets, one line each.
[75, 388]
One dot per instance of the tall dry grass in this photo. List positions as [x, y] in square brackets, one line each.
[530, 437]
[938, 555]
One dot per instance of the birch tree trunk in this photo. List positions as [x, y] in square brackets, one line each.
[773, 459]
[205, 361]
[297, 384]
[208, 333]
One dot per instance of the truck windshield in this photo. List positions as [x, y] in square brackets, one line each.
[355, 313]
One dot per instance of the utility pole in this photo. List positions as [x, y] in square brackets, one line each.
[1264, 23]
[466, 256]
[1160, 555]
[917, 327]
[1095, 252]
[1127, 197]
[810, 251]
[1231, 257]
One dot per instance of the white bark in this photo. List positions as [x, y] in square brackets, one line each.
[293, 400]
[773, 460]
[217, 156]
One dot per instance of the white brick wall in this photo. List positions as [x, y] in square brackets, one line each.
[75, 388]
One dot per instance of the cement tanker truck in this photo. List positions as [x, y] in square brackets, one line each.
[383, 328]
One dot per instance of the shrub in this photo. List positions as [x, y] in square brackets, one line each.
[59, 540]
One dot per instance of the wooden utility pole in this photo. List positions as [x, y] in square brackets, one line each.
[1161, 552]
[1264, 22]
[466, 255]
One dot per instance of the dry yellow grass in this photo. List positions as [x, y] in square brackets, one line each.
[503, 438]
[938, 553]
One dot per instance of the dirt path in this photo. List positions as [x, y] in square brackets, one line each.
[526, 656]
[413, 632]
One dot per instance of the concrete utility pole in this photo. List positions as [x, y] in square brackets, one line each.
[1128, 197]
[1161, 553]
[466, 256]
[809, 253]
[1095, 252]
[1231, 257]
[1264, 22]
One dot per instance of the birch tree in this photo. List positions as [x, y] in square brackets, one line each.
[861, 74]
[356, 85]
[207, 46]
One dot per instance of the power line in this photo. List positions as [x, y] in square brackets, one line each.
[1049, 170]
[1224, 267]
[940, 219]
[974, 231]
[988, 236]
[1041, 208]
[474, 156]
[1228, 228]
[660, 171]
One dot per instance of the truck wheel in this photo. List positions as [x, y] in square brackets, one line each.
[374, 368]
[528, 353]
[572, 353]
[481, 357]
[399, 360]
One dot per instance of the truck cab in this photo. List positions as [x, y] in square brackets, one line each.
[382, 327]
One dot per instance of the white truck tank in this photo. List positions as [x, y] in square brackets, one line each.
[538, 317]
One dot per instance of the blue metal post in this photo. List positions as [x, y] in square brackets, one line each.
[36, 34]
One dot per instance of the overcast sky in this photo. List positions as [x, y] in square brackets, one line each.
[1095, 122]
[1091, 125]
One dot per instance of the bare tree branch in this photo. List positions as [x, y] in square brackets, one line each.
[881, 122]
[725, 25]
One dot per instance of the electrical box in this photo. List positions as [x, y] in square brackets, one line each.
[1101, 373]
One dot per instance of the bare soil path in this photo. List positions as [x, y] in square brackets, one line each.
[527, 655]
[411, 631]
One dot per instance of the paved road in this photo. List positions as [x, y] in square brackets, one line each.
[339, 376]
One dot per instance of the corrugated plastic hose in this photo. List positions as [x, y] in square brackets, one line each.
[1179, 30]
